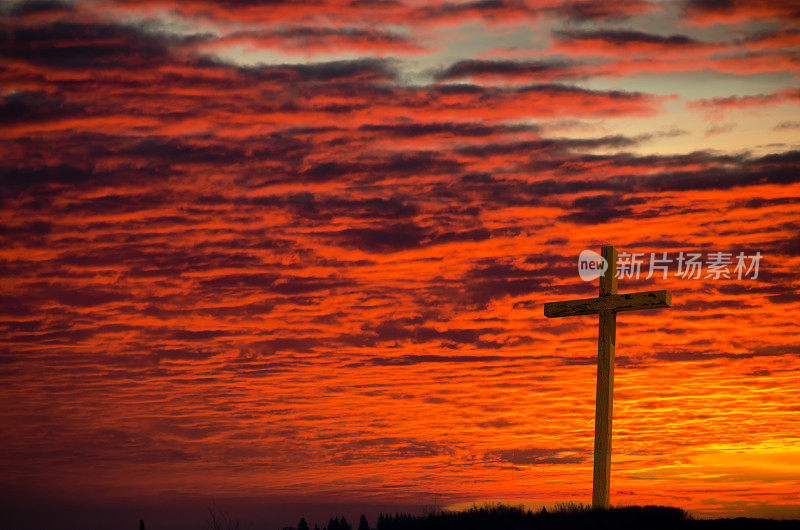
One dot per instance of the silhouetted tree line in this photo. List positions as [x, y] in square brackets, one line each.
[563, 517]
[335, 523]
[566, 516]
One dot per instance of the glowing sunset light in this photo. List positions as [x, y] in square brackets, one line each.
[293, 256]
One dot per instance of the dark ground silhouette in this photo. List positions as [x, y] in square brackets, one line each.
[565, 517]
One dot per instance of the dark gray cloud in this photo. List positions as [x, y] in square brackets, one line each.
[536, 456]
[38, 7]
[506, 68]
[626, 37]
[582, 11]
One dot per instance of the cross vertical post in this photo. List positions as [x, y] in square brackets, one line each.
[607, 305]
[606, 341]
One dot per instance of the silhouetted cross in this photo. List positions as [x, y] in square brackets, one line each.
[606, 305]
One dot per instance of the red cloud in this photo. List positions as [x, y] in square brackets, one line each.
[627, 43]
[311, 40]
[220, 277]
[707, 12]
[788, 95]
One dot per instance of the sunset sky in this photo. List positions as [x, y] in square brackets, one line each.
[293, 256]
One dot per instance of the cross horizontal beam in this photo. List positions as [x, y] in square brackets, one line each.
[614, 302]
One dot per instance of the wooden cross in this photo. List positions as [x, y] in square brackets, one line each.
[607, 305]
